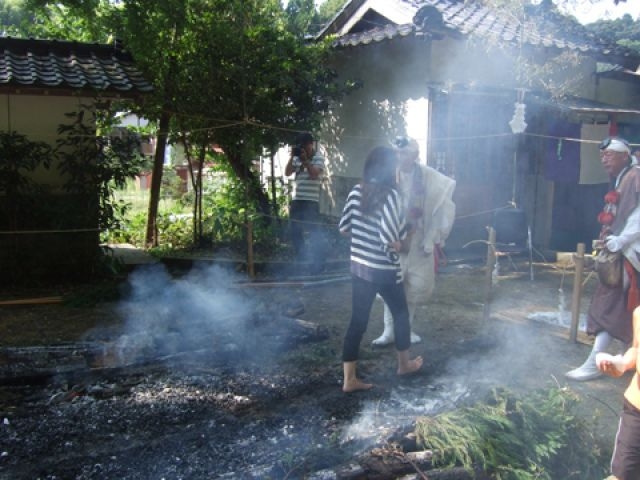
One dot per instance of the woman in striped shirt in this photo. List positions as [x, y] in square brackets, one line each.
[374, 219]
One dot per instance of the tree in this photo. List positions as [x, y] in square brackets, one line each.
[301, 16]
[143, 25]
[533, 72]
[83, 21]
[95, 164]
[229, 67]
[240, 95]
[12, 15]
[256, 91]
[328, 9]
[574, 2]
[624, 31]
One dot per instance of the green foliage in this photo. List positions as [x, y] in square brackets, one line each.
[247, 96]
[175, 230]
[20, 156]
[328, 9]
[539, 437]
[12, 16]
[94, 166]
[131, 229]
[625, 31]
[82, 20]
[227, 209]
[302, 17]
[172, 185]
[19, 159]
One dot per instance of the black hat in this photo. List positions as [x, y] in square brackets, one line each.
[304, 138]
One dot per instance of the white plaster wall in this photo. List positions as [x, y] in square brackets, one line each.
[615, 92]
[392, 101]
[38, 117]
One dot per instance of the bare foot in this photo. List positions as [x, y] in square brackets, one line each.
[411, 366]
[355, 386]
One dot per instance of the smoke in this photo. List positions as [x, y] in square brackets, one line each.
[165, 316]
[561, 317]
[381, 417]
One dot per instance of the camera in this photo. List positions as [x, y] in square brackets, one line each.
[297, 151]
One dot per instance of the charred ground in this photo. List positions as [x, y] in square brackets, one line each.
[264, 400]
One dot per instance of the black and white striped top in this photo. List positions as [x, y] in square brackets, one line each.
[305, 187]
[371, 257]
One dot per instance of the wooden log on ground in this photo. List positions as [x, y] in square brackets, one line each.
[32, 301]
[127, 353]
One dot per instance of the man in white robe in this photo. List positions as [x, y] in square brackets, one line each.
[429, 209]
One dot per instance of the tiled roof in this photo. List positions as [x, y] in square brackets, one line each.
[468, 19]
[64, 67]
[377, 34]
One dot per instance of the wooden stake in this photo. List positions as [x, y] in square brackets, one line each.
[488, 279]
[577, 293]
[250, 264]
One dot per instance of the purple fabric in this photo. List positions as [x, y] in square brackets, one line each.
[562, 157]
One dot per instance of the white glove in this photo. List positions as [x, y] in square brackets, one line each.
[613, 243]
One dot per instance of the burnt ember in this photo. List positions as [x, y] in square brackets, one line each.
[188, 416]
[97, 410]
[200, 421]
[150, 425]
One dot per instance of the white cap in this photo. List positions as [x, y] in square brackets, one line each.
[618, 145]
[406, 144]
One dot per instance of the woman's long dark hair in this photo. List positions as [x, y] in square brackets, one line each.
[378, 178]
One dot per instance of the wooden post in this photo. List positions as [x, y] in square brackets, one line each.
[577, 293]
[488, 279]
[250, 265]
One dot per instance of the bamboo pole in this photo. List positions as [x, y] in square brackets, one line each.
[488, 279]
[250, 263]
[577, 293]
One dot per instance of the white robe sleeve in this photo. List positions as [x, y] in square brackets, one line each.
[630, 238]
[439, 209]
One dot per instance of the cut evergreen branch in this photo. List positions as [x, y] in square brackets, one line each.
[511, 438]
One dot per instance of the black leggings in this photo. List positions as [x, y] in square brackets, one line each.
[362, 296]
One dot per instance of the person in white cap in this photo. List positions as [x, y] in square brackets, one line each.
[611, 306]
[430, 212]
